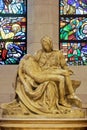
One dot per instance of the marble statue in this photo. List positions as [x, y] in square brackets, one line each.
[43, 86]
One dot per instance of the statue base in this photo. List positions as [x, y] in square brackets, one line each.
[43, 123]
[72, 121]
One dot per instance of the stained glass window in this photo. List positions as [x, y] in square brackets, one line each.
[73, 31]
[13, 31]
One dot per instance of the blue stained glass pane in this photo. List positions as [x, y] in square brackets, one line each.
[11, 52]
[13, 27]
[73, 28]
[13, 31]
[75, 53]
[73, 7]
[13, 6]
[73, 31]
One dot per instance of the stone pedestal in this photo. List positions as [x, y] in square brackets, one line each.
[43, 124]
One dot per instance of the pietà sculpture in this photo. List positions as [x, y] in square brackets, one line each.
[43, 86]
